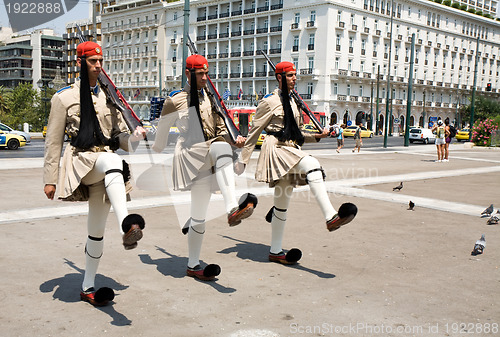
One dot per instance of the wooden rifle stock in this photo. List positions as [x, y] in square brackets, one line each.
[115, 96]
[298, 100]
[217, 101]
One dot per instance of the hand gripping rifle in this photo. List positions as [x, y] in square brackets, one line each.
[216, 100]
[298, 100]
[115, 96]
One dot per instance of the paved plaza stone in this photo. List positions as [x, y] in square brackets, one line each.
[391, 272]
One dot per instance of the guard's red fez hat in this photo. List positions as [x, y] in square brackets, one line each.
[196, 61]
[284, 67]
[88, 48]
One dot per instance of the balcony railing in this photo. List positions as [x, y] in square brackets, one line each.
[310, 24]
[249, 10]
[261, 30]
[249, 32]
[248, 53]
[201, 38]
[212, 17]
[367, 75]
[274, 50]
[234, 13]
[278, 6]
[307, 71]
[310, 47]
[341, 97]
[223, 35]
[306, 96]
[211, 56]
[211, 36]
[223, 55]
[236, 33]
[262, 9]
[235, 75]
[353, 98]
[260, 74]
[295, 48]
[224, 15]
[236, 54]
[354, 73]
[247, 74]
[276, 29]
[294, 25]
[201, 18]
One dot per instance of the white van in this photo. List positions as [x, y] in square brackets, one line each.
[425, 136]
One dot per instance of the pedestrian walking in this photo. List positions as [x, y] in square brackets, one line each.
[340, 138]
[283, 165]
[91, 170]
[202, 147]
[357, 138]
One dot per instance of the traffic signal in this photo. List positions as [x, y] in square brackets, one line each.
[488, 87]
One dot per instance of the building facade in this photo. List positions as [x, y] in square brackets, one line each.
[338, 49]
[31, 57]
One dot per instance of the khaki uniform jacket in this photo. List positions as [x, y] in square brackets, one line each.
[276, 158]
[76, 163]
[191, 150]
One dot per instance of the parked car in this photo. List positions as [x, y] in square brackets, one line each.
[66, 136]
[11, 140]
[350, 130]
[8, 129]
[262, 136]
[425, 136]
[462, 135]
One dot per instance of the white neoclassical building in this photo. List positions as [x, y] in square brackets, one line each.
[337, 46]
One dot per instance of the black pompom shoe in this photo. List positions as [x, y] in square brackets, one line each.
[98, 298]
[347, 212]
[292, 257]
[132, 226]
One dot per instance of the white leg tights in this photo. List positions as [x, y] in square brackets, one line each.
[221, 156]
[282, 194]
[113, 182]
[114, 187]
[310, 166]
[200, 198]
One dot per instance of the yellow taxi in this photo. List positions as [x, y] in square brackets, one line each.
[365, 133]
[462, 135]
[310, 128]
[11, 141]
[262, 136]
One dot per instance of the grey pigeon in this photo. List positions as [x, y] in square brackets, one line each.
[399, 187]
[494, 219]
[487, 212]
[479, 246]
[411, 206]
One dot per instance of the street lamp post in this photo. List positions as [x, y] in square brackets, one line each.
[41, 84]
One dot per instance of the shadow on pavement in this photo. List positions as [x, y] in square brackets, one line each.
[67, 289]
[258, 252]
[175, 266]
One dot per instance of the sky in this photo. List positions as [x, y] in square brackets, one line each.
[79, 12]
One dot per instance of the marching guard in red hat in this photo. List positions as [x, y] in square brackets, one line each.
[202, 150]
[90, 169]
[283, 164]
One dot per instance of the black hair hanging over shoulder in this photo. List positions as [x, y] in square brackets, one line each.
[89, 133]
[194, 101]
[290, 129]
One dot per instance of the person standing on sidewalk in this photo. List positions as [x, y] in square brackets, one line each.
[340, 138]
[357, 138]
[91, 170]
[447, 140]
[283, 164]
[202, 148]
[440, 140]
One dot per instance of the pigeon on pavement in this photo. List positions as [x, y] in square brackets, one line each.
[487, 211]
[493, 220]
[411, 205]
[398, 188]
[479, 246]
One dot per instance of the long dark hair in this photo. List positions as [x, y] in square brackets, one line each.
[89, 132]
[194, 101]
[290, 129]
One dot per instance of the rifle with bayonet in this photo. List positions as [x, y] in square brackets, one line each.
[115, 96]
[298, 100]
[216, 100]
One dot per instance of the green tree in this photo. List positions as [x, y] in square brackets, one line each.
[455, 5]
[24, 105]
[4, 109]
[483, 108]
